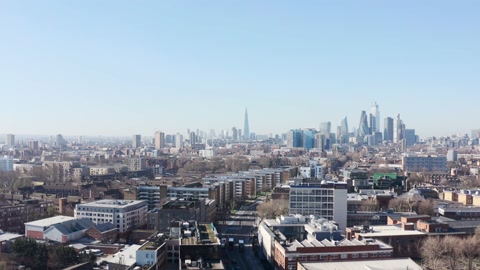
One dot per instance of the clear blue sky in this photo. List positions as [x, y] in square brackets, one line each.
[126, 67]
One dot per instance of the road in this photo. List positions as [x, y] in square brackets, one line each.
[240, 226]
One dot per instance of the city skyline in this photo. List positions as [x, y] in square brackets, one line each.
[118, 69]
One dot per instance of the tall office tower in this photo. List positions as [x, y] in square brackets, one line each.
[295, 138]
[136, 141]
[344, 126]
[388, 129]
[375, 112]
[193, 138]
[397, 129]
[234, 134]
[373, 123]
[159, 140]
[179, 141]
[363, 126]
[410, 137]
[10, 139]
[326, 127]
[308, 138]
[80, 139]
[246, 130]
[239, 133]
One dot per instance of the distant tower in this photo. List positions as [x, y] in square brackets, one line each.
[388, 129]
[246, 130]
[136, 140]
[159, 140]
[397, 129]
[344, 126]
[375, 112]
[10, 139]
[363, 126]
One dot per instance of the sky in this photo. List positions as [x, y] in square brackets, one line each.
[133, 67]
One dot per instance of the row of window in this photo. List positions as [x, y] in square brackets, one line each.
[311, 199]
[310, 191]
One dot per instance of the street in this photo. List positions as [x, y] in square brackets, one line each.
[240, 227]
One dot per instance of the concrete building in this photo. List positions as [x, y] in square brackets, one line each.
[136, 163]
[314, 170]
[126, 215]
[327, 200]
[153, 195]
[6, 163]
[414, 163]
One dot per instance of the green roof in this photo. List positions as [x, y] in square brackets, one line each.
[377, 176]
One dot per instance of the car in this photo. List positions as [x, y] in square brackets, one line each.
[234, 261]
[103, 263]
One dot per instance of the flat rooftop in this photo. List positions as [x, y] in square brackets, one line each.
[47, 222]
[388, 230]
[112, 203]
[384, 264]
[128, 256]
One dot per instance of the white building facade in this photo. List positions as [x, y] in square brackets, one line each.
[327, 200]
[124, 214]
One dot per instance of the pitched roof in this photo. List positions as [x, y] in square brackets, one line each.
[105, 227]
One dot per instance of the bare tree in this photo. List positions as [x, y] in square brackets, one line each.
[431, 250]
[469, 249]
[272, 209]
[452, 250]
[426, 207]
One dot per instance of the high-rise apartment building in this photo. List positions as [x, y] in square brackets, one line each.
[179, 141]
[246, 128]
[375, 112]
[159, 140]
[136, 141]
[388, 129]
[10, 139]
[327, 200]
[33, 145]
